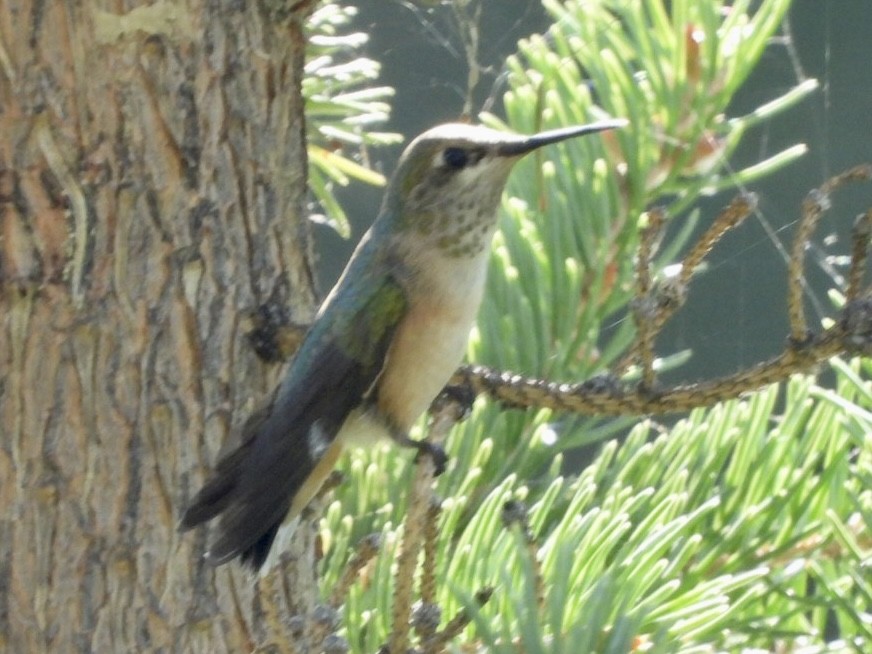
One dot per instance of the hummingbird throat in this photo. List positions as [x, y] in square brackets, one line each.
[462, 223]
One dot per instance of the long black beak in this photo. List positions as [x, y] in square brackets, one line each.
[526, 144]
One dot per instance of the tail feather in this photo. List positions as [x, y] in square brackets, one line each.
[280, 465]
[251, 490]
[255, 556]
[287, 451]
[217, 494]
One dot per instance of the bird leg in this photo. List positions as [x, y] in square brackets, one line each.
[426, 448]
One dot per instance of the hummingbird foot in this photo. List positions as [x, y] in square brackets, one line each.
[426, 448]
[456, 400]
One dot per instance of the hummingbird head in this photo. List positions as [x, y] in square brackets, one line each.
[450, 178]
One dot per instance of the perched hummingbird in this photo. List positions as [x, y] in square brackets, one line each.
[386, 340]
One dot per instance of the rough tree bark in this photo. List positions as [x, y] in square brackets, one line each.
[152, 191]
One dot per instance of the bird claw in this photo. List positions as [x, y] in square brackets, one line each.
[434, 451]
[456, 398]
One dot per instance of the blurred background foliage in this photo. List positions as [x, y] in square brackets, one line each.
[745, 527]
[344, 108]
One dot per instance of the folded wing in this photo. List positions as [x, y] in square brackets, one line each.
[253, 487]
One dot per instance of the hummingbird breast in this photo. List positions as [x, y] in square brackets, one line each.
[444, 296]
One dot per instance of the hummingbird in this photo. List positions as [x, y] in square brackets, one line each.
[385, 341]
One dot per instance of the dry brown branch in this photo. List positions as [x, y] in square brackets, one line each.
[606, 394]
[816, 203]
[859, 254]
[407, 561]
[645, 308]
[664, 299]
[414, 535]
[431, 541]
[271, 605]
[366, 550]
[420, 532]
[515, 516]
[457, 624]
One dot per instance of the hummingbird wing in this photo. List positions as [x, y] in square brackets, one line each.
[289, 447]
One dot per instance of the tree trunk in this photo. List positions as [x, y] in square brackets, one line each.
[152, 188]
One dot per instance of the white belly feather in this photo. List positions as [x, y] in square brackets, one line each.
[430, 341]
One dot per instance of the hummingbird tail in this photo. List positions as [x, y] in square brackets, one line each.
[217, 494]
[210, 502]
[287, 450]
[250, 492]
[290, 447]
[250, 513]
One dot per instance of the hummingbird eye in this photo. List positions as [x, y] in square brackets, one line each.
[455, 158]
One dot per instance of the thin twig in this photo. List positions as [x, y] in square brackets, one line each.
[860, 236]
[515, 514]
[813, 207]
[431, 546]
[407, 561]
[414, 534]
[607, 396]
[644, 309]
[366, 550]
[655, 304]
[740, 208]
[457, 624]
